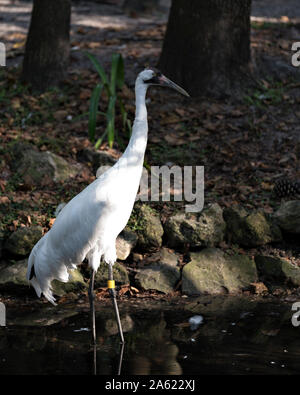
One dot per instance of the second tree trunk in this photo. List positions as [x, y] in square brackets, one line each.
[207, 45]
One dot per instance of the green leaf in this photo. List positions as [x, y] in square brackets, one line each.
[110, 133]
[85, 114]
[116, 82]
[117, 73]
[129, 127]
[110, 116]
[146, 165]
[94, 103]
[99, 69]
[99, 141]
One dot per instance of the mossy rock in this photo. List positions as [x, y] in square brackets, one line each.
[119, 272]
[23, 240]
[250, 230]
[288, 216]
[13, 278]
[205, 229]
[75, 283]
[39, 168]
[125, 242]
[161, 274]
[145, 221]
[98, 159]
[13, 275]
[278, 269]
[214, 272]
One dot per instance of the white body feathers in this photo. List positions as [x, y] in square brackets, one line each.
[87, 227]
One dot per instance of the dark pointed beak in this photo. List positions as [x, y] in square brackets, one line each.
[164, 81]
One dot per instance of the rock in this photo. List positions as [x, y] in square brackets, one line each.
[162, 272]
[97, 159]
[274, 268]
[125, 242]
[137, 257]
[119, 272]
[233, 217]
[211, 271]
[205, 229]
[101, 170]
[13, 275]
[39, 168]
[288, 216]
[23, 240]
[148, 227]
[250, 230]
[75, 283]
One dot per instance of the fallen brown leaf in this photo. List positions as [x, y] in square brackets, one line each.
[85, 94]
[170, 119]
[2, 185]
[174, 140]
[4, 200]
[51, 222]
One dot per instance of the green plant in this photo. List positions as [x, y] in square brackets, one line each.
[112, 85]
[264, 95]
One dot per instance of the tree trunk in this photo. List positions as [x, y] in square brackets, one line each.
[207, 45]
[48, 44]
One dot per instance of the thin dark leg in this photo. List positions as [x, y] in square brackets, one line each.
[92, 306]
[112, 292]
[120, 359]
[94, 359]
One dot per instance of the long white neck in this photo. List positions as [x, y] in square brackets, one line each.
[140, 101]
[136, 148]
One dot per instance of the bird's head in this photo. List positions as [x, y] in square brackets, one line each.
[152, 76]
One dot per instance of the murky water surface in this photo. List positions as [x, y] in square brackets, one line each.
[236, 336]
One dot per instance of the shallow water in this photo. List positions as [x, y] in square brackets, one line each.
[237, 336]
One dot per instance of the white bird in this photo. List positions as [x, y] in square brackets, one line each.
[88, 226]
